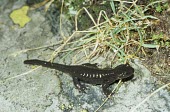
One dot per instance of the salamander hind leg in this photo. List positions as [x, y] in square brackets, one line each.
[78, 85]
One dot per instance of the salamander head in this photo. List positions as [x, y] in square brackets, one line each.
[124, 71]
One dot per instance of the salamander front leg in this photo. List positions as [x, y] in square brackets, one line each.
[105, 87]
[106, 91]
[78, 85]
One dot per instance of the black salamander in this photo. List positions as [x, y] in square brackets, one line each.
[89, 73]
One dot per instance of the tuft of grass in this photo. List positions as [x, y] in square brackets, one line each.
[118, 36]
[123, 34]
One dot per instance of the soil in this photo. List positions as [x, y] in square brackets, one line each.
[158, 60]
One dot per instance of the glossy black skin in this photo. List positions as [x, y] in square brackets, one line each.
[89, 73]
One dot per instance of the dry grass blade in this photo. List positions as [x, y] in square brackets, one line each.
[108, 97]
[20, 75]
[147, 98]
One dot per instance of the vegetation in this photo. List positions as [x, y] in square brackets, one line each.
[121, 31]
[120, 28]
